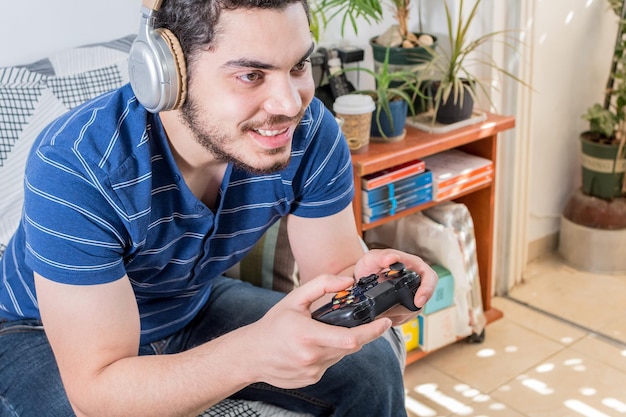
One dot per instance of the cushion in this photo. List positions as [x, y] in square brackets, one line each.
[244, 408]
[33, 95]
[270, 264]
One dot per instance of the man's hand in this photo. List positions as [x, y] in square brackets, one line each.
[376, 260]
[295, 350]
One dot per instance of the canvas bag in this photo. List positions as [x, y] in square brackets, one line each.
[444, 235]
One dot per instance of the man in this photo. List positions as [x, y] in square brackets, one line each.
[131, 217]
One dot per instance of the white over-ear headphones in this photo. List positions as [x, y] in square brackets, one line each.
[157, 70]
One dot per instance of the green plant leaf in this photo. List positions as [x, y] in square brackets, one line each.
[450, 69]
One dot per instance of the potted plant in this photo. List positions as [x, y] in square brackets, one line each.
[603, 151]
[407, 48]
[324, 11]
[602, 145]
[593, 221]
[450, 85]
[393, 96]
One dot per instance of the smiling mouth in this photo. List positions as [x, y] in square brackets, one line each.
[264, 132]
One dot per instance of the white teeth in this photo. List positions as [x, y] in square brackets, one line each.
[270, 132]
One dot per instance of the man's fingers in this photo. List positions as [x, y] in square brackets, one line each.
[376, 260]
[427, 287]
[319, 287]
[351, 339]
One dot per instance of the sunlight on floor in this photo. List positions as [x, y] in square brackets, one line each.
[566, 361]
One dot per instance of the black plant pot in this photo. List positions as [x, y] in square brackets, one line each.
[451, 111]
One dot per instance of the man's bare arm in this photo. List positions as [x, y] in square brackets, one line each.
[94, 333]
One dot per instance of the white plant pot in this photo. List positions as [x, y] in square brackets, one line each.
[593, 250]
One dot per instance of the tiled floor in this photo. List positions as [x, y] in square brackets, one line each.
[559, 350]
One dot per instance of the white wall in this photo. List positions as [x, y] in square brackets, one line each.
[571, 55]
[32, 29]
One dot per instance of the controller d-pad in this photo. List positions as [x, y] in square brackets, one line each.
[341, 294]
[344, 298]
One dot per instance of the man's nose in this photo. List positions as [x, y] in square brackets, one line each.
[283, 99]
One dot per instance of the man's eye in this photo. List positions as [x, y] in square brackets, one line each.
[301, 66]
[251, 77]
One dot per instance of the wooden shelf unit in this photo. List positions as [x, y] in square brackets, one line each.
[478, 139]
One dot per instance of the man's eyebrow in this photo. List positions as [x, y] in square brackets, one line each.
[252, 63]
[308, 53]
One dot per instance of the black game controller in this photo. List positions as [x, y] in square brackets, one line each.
[370, 297]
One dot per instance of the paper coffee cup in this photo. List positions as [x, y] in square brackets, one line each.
[356, 112]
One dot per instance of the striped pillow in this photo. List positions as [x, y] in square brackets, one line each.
[33, 95]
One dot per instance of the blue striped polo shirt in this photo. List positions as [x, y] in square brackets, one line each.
[104, 198]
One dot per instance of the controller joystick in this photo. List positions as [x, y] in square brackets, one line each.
[371, 296]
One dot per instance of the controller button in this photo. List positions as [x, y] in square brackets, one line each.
[342, 294]
[396, 266]
[369, 280]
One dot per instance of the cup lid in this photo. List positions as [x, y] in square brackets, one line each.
[354, 104]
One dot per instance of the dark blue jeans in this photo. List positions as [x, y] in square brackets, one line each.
[367, 383]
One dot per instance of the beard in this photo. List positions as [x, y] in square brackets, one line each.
[215, 140]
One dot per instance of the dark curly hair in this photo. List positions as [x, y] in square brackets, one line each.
[194, 22]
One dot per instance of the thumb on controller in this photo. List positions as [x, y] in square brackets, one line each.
[319, 287]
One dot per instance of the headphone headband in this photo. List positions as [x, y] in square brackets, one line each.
[152, 4]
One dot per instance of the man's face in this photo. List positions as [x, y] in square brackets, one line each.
[248, 94]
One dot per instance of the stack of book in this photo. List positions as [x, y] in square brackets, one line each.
[387, 192]
[455, 172]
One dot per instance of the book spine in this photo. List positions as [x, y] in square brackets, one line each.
[423, 196]
[370, 197]
[392, 176]
[455, 189]
[373, 218]
[465, 176]
[398, 200]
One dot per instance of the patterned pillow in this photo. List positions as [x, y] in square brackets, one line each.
[270, 264]
[33, 95]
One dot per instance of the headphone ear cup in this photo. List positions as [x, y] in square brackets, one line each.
[157, 70]
[180, 67]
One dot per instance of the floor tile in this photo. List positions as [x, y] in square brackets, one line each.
[538, 322]
[616, 328]
[578, 296]
[608, 353]
[508, 350]
[559, 350]
[431, 393]
[568, 384]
